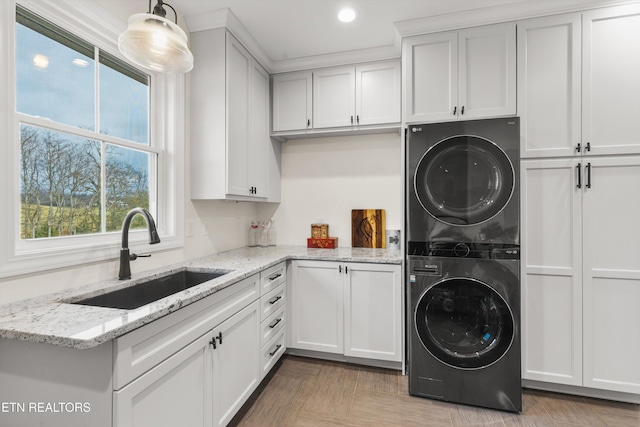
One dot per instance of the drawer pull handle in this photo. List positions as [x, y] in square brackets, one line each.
[275, 323]
[275, 277]
[275, 300]
[276, 350]
[219, 337]
[213, 342]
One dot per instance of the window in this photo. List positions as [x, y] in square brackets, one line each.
[74, 179]
[84, 137]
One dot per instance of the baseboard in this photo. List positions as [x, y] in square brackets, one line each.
[582, 391]
[346, 359]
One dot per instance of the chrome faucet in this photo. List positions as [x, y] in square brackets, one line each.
[125, 257]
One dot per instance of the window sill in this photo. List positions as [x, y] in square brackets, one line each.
[28, 261]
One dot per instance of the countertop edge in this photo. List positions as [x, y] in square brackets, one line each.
[249, 261]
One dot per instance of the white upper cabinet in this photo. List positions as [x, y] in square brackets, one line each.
[466, 74]
[232, 155]
[347, 98]
[378, 93]
[334, 97]
[549, 79]
[292, 95]
[611, 87]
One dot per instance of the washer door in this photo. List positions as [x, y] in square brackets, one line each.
[464, 323]
[464, 180]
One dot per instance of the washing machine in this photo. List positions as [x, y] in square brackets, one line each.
[462, 182]
[463, 325]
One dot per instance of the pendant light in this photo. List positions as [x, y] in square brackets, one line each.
[155, 43]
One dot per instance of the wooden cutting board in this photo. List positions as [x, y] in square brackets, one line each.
[368, 228]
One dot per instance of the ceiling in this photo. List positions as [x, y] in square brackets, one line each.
[306, 33]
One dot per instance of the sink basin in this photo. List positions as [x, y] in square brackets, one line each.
[151, 290]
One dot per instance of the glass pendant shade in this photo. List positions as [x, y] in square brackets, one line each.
[155, 43]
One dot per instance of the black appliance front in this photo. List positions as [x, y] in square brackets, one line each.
[463, 330]
[462, 181]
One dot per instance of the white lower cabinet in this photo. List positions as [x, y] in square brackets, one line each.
[581, 272]
[203, 384]
[176, 392]
[236, 363]
[353, 309]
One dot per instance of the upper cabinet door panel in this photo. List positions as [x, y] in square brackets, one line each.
[431, 77]
[259, 140]
[487, 72]
[292, 94]
[334, 97]
[238, 89]
[549, 79]
[611, 87]
[378, 93]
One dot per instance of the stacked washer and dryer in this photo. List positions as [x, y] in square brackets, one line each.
[463, 262]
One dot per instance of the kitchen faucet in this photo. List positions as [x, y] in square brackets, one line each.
[125, 257]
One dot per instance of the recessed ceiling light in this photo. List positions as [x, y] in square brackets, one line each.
[40, 61]
[347, 14]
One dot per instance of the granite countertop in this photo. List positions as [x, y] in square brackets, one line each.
[52, 319]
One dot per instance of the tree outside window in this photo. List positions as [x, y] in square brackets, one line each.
[85, 152]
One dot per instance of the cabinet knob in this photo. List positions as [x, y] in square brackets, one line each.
[213, 342]
[578, 147]
[455, 109]
[358, 119]
[588, 147]
[462, 110]
[351, 119]
[308, 122]
[219, 337]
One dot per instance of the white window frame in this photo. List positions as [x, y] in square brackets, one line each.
[89, 21]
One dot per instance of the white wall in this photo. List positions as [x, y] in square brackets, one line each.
[325, 178]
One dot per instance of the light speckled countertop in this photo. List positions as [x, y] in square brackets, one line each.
[47, 319]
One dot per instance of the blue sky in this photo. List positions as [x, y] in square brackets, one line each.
[64, 92]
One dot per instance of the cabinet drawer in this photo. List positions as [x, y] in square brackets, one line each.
[273, 277]
[272, 352]
[144, 348]
[272, 325]
[272, 301]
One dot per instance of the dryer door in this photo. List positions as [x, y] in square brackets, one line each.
[464, 180]
[464, 323]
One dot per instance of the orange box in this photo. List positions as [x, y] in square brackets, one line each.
[320, 231]
[324, 243]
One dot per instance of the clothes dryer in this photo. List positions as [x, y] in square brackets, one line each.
[463, 182]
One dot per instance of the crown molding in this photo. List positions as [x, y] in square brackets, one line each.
[496, 14]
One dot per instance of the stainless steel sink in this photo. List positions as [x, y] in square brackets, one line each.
[151, 290]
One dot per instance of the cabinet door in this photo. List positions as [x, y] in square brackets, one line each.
[373, 311]
[236, 362]
[316, 307]
[487, 71]
[551, 271]
[611, 88]
[259, 140]
[334, 97]
[238, 74]
[612, 275]
[431, 77]
[175, 393]
[549, 76]
[378, 93]
[292, 94]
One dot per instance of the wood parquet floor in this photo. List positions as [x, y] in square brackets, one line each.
[313, 393]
